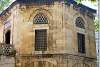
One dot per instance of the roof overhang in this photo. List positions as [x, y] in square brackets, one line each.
[80, 7]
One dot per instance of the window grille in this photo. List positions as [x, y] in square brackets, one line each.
[80, 23]
[7, 50]
[40, 19]
[41, 40]
[81, 43]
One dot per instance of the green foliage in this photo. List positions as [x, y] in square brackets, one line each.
[96, 23]
[79, 1]
[3, 4]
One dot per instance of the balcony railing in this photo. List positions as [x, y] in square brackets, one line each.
[7, 49]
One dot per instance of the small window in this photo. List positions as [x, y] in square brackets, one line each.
[80, 23]
[40, 19]
[41, 40]
[7, 37]
[81, 42]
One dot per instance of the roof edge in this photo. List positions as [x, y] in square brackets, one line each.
[80, 7]
[9, 8]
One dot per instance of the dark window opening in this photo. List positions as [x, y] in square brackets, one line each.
[7, 37]
[81, 43]
[41, 40]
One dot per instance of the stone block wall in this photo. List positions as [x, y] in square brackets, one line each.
[61, 36]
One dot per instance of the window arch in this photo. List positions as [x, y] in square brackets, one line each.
[80, 22]
[40, 18]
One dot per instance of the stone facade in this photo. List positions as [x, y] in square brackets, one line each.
[62, 46]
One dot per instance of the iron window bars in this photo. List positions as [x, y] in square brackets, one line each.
[7, 50]
[81, 42]
[41, 40]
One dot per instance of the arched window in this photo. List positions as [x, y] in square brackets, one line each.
[7, 37]
[80, 23]
[40, 18]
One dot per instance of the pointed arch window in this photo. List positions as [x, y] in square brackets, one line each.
[40, 18]
[80, 23]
